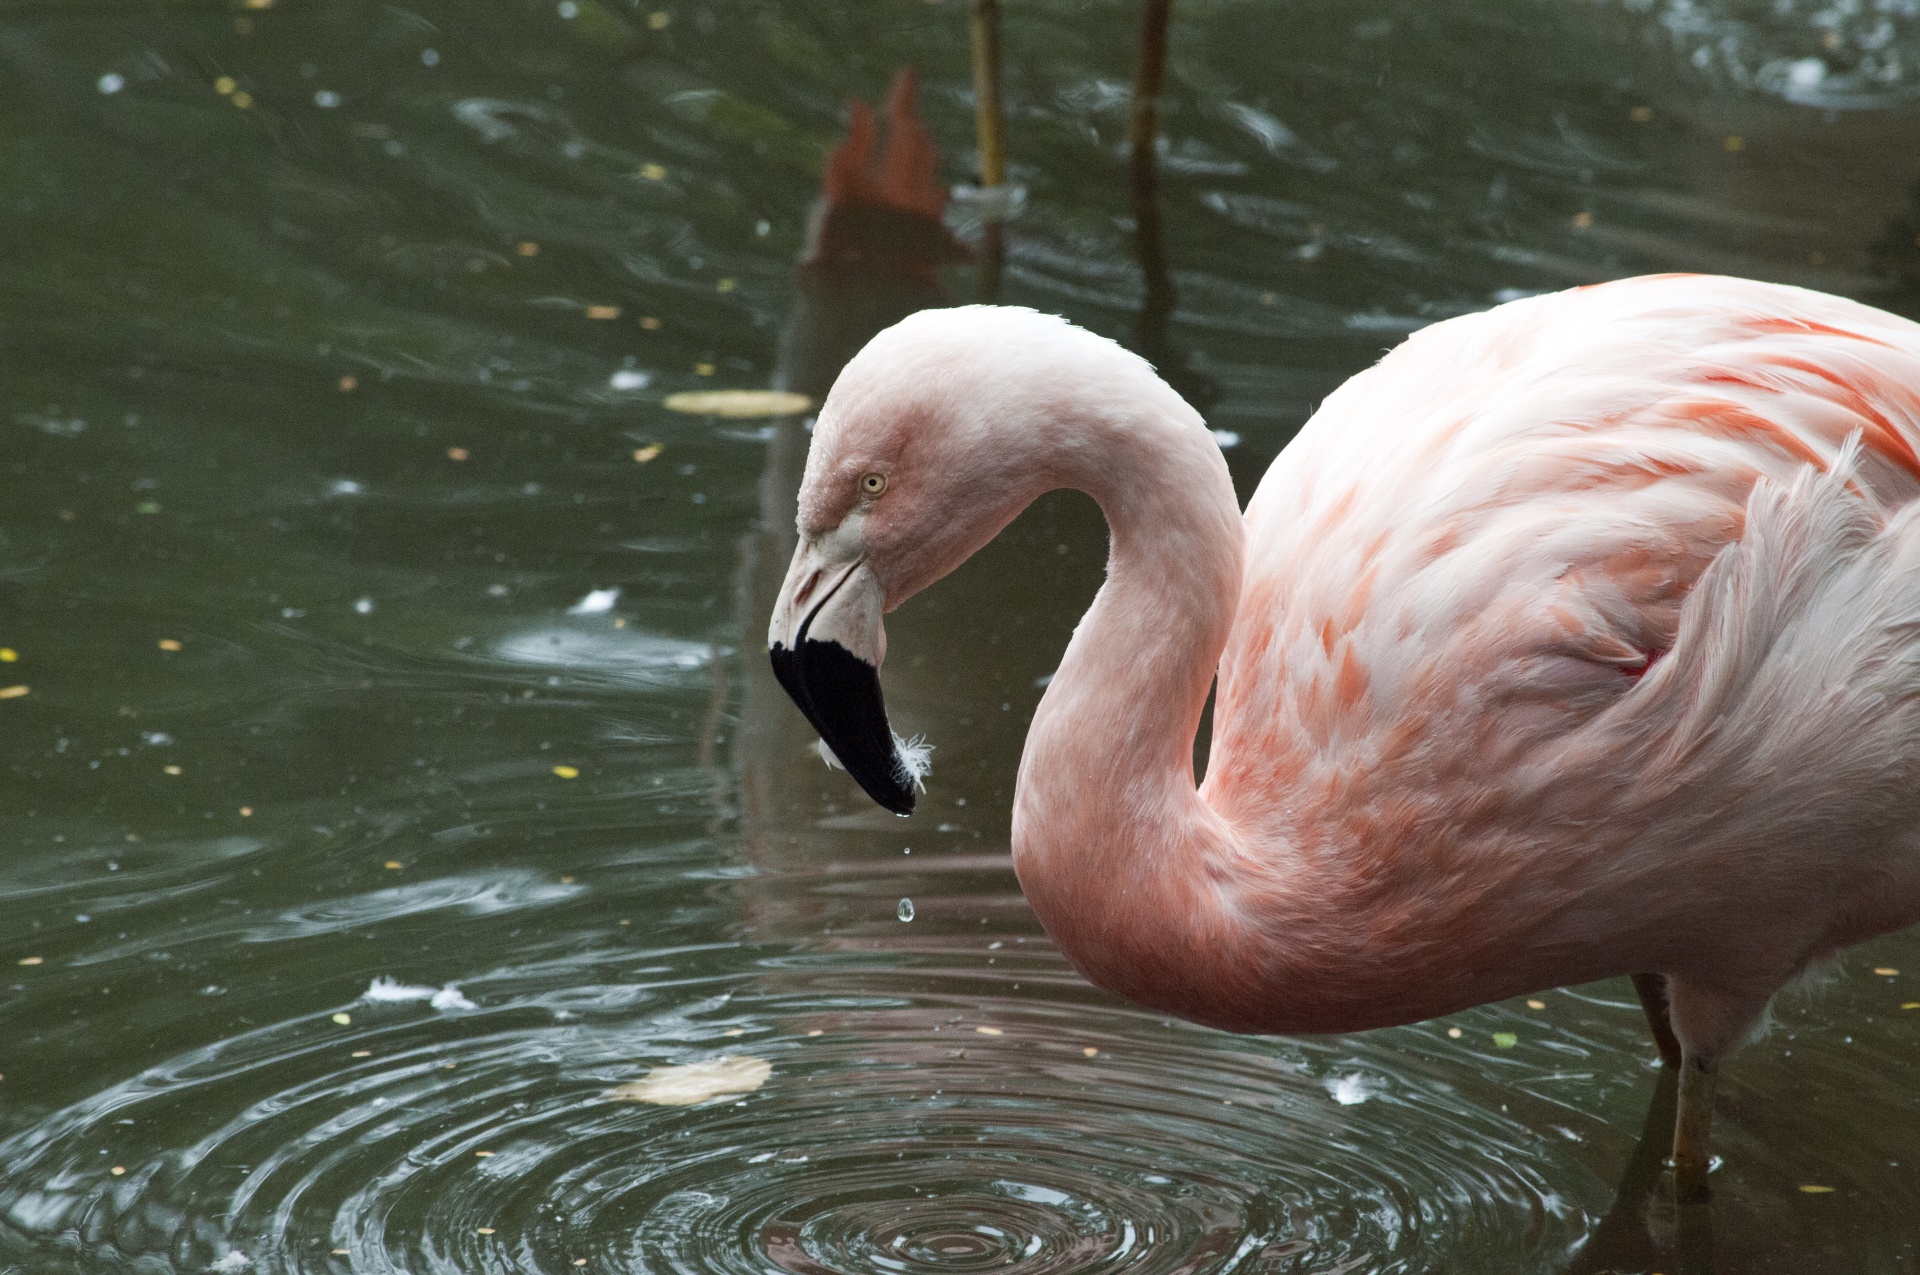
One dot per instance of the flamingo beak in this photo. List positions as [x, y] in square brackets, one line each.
[827, 643]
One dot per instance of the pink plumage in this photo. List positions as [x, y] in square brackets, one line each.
[1576, 638]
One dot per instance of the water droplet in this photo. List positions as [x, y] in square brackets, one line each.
[905, 910]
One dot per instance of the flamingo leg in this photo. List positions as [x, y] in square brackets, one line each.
[1653, 999]
[1691, 1125]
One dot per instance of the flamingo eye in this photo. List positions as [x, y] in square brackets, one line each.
[873, 484]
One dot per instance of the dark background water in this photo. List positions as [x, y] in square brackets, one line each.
[309, 454]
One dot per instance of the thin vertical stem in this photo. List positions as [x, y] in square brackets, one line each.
[1149, 77]
[1143, 170]
[988, 122]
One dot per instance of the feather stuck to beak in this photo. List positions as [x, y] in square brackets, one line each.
[827, 643]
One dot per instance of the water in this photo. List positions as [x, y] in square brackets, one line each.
[380, 623]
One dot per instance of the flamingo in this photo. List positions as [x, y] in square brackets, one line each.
[1576, 638]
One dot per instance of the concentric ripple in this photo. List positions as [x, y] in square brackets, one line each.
[933, 1129]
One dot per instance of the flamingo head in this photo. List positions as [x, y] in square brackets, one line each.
[934, 437]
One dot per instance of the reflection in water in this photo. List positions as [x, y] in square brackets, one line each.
[875, 244]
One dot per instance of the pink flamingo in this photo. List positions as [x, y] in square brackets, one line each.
[1577, 638]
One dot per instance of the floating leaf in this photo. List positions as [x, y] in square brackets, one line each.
[641, 455]
[343, 1019]
[1809, 1188]
[1505, 1040]
[693, 1083]
[603, 312]
[1885, 971]
[990, 1031]
[170, 644]
[738, 403]
[12, 692]
[567, 772]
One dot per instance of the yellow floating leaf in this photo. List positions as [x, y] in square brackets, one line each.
[739, 403]
[692, 1083]
[1534, 1004]
[1089, 1051]
[486, 1230]
[567, 772]
[658, 19]
[33, 960]
[242, 99]
[361, 1053]
[990, 1031]
[12, 692]
[703, 369]
[650, 323]
[348, 384]
[1582, 220]
[603, 312]
[652, 172]
[1809, 1188]
[1885, 971]
[641, 455]
[392, 865]
[117, 1170]
[457, 453]
[225, 85]
[343, 1019]
[170, 644]
[481, 1155]
[1911, 1005]
[725, 285]
[1454, 1033]
[8, 655]
[169, 770]
[246, 812]
[816, 1032]
[529, 249]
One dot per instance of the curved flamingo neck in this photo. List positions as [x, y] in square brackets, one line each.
[1115, 849]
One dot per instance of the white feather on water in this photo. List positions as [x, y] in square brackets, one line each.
[598, 602]
[391, 990]
[1351, 1089]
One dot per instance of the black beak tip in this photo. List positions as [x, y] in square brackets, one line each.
[840, 695]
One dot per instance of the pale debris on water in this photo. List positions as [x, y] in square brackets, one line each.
[628, 378]
[440, 998]
[1351, 1089]
[599, 602]
[691, 1083]
[234, 1261]
[738, 404]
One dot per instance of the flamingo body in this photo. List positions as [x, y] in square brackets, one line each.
[1576, 638]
